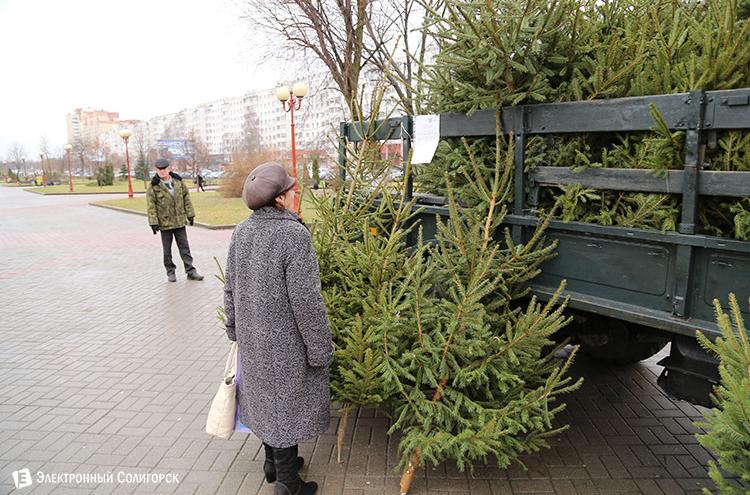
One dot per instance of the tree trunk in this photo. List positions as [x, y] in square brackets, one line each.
[341, 433]
[408, 475]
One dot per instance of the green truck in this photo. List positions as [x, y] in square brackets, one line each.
[631, 291]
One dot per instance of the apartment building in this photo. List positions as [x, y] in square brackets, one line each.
[220, 123]
[85, 124]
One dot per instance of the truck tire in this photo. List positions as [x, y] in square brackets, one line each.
[619, 342]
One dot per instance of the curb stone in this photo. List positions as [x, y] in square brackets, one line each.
[208, 226]
[42, 193]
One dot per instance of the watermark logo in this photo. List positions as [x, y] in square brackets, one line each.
[22, 478]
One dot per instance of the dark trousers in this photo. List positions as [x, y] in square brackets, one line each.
[180, 235]
[200, 184]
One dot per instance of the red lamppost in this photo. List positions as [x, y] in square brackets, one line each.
[44, 177]
[125, 135]
[291, 100]
[68, 149]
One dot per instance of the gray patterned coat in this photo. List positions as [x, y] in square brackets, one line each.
[275, 312]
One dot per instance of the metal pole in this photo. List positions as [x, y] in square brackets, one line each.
[70, 173]
[127, 160]
[44, 177]
[519, 158]
[342, 151]
[406, 131]
[292, 103]
[685, 277]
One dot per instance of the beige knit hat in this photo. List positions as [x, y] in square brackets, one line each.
[264, 183]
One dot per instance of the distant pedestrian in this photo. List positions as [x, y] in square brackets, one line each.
[275, 312]
[200, 181]
[169, 208]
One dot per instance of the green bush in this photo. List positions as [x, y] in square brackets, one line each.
[728, 424]
[316, 172]
[105, 176]
[141, 168]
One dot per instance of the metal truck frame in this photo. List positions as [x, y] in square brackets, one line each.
[631, 290]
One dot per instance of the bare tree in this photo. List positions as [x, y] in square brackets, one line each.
[141, 146]
[333, 30]
[82, 150]
[95, 154]
[140, 142]
[194, 151]
[58, 160]
[250, 132]
[152, 155]
[44, 146]
[398, 50]
[16, 152]
[44, 154]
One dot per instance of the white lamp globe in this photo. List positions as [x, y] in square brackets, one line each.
[282, 93]
[300, 89]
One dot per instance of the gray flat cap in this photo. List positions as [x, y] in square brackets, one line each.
[264, 183]
[161, 163]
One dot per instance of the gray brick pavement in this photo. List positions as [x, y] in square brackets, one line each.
[105, 366]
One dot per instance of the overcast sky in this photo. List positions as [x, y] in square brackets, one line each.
[140, 58]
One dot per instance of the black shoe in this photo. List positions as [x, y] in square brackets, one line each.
[269, 467]
[195, 276]
[171, 277]
[303, 488]
[287, 474]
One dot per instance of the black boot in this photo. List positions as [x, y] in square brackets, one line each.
[269, 468]
[287, 474]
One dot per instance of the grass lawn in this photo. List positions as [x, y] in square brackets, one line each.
[83, 186]
[12, 184]
[210, 207]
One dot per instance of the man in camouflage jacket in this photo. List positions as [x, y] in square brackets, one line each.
[169, 208]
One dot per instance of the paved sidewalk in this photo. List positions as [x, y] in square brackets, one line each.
[107, 367]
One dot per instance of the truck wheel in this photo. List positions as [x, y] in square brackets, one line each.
[619, 342]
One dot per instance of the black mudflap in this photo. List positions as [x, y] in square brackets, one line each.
[690, 373]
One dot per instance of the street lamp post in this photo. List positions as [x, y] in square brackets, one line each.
[68, 149]
[291, 100]
[125, 135]
[44, 177]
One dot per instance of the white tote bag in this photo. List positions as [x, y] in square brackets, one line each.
[221, 416]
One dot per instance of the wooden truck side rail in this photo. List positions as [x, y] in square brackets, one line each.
[663, 282]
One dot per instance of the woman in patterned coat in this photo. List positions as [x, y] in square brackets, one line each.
[275, 312]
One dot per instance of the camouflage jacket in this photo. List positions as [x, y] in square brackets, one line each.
[165, 210]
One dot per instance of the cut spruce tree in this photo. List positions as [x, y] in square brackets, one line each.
[473, 366]
[506, 52]
[728, 424]
[438, 333]
[360, 236]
